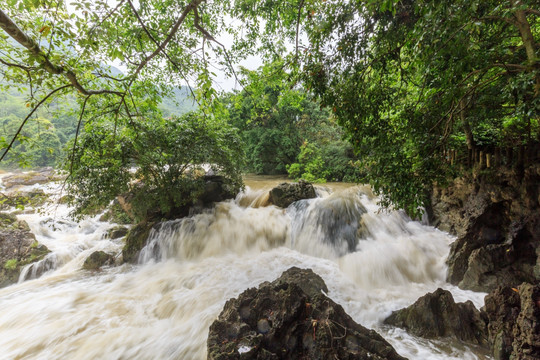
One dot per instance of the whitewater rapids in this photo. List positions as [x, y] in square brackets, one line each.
[372, 261]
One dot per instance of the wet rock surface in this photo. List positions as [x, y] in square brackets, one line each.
[285, 194]
[436, 315]
[496, 217]
[18, 247]
[117, 232]
[291, 318]
[135, 240]
[514, 322]
[98, 259]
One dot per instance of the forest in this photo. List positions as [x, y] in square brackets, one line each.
[398, 94]
[430, 110]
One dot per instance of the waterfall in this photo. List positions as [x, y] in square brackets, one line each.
[373, 262]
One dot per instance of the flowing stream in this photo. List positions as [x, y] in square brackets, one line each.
[372, 261]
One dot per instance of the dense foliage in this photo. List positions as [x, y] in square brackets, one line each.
[159, 164]
[409, 79]
[280, 124]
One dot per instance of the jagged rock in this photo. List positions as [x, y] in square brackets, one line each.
[18, 247]
[215, 190]
[290, 318]
[496, 217]
[285, 194]
[436, 315]
[514, 322]
[98, 259]
[135, 240]
[117, 232]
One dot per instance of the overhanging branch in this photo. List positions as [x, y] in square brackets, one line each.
[33, 47]
[28, 117]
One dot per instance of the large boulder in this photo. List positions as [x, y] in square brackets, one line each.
[291, 318]
[496, 218]
[285, 194]
[436, 315]
[514, 322]
[18, 247]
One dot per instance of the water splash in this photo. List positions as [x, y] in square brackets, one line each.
[373, 262]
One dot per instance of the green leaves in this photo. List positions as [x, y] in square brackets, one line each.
[405, 78]
[159, 163]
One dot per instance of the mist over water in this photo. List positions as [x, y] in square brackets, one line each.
[372, 261]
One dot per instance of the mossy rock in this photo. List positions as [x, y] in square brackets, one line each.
[135, 240]
[11, 267]
[98, 259]
[285, 194]
[7, 220]
[117, 232]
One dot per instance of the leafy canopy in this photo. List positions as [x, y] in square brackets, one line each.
[409, 79]
[160, 165]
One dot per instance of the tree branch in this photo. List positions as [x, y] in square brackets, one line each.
[162, 50]
[208, 36]
[28, 117]
[77, 134]
[32, 46]
[192, 5]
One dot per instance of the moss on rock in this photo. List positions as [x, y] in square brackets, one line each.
[135, 240]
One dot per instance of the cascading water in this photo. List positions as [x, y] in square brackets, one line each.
[373, 262]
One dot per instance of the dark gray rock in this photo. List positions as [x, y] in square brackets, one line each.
[285, 194]
[290, 318]
[98, 259]
[514, 322]
[436, 315]
[496, 217]
[215, 190]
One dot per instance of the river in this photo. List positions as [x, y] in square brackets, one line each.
[372, 261]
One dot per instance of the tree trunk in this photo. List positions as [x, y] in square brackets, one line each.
[527, 37]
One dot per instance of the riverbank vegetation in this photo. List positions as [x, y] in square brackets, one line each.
[421, 91]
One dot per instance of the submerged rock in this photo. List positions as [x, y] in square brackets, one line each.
[285, 194]
[514, 322]
[18, 247]
[98, 259]
[291, 318]
[436, 315]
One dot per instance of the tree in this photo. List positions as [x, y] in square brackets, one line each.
[408, 79]
[160, 164]
[276, 118]
[53, 51]
[38, 143]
